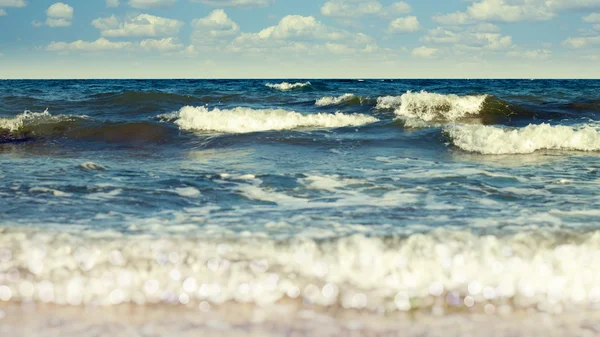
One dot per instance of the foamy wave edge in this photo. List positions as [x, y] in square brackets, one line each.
[28, 118]
[426, 106]
[243, 120]
[285, 86]
[453, 269]
[498, 140]
[331, 100]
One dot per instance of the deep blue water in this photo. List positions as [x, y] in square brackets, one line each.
[483, 171]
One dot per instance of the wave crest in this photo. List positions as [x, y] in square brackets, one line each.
[331, 100]
[243, 120]
[496, 140]
[285, 86]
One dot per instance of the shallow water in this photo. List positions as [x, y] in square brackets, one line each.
[376, 197]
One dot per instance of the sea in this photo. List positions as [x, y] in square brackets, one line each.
[300, 207]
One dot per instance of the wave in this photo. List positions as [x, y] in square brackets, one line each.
[32, 125]
[243, 120]
[447, 268]
[498, 140]
[419, 107]
[346, 99]
[285, 86]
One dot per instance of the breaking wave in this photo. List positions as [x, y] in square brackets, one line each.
[331, 100]
[420, 108]
[285, 86]
[448, 268]
[243, 120]
[499, 140]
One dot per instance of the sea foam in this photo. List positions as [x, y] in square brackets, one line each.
[242, 120]
[285, 86]
[428, 106]
[498, 140]
[331, 100]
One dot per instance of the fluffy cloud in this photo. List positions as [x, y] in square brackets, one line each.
[112, 3]
[424, 51]
[216, 24]
[476, 38]
[59, 15]
[592, 18]
[101, 44]
[355, 8]
[539, 54]
[514, 10]
[13, 3]
[404, 25]
[163, 45]
[581, 42]
[237, 3]
[143, 4]
[295, 32]
[141, 25]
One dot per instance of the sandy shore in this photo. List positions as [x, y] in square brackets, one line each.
[232, 320]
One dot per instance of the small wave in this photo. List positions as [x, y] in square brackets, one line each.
[331, 100]
[32, 125]
[497, 140]
[285, 86]
[431, 106]
[243, 120]
[422, 108]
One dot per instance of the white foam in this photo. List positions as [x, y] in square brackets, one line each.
[54, 192]
[91, 166]
[241, 120]
[522, 270]
[285, 86]
[17, 122]
[29, 118]
[189, 192]
[331, 100]
[426, 106]
[388, 102]
[498, 140]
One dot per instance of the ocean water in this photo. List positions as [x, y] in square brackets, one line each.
[300, 207]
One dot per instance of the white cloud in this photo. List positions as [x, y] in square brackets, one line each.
[457, 18]
[60, 10]
[295, 32]
[59, 15]
[404, 25]
[478, 37]
[592, 18]
[237, 3]
[112, 3]
[13, 3]
[501, 10]
[216, 24]
[539, 54]
[141, 25]
[166, 45]
[101, 44]
[2, 12]
[424, 51]
[143, 4]
[356, 8]
[581, 42]
[513, 10]
[162, 45]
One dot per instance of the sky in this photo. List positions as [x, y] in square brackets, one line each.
[300, 39]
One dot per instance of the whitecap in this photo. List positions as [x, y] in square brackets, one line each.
[242, 120]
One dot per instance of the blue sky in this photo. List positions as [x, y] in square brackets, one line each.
[300, 38]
